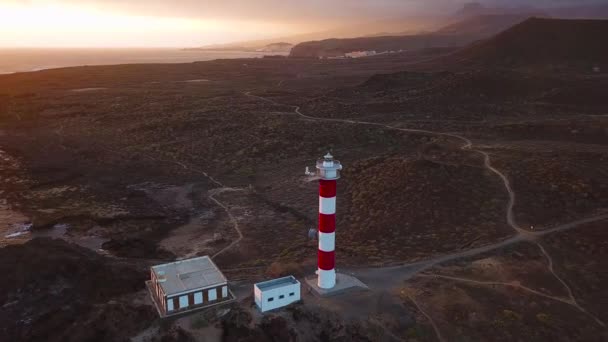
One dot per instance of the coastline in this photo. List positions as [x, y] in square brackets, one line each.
[31, 60]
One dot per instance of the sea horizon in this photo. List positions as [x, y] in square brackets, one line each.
[16, 60]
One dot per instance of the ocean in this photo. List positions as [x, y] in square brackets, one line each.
[21, 60]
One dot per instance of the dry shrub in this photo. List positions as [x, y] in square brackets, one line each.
[281, 269]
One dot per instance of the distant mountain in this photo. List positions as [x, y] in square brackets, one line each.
[254, 45]
[473, 19]
[403, 25]
[339, 47]
[586, 11]
[474, 9]
[485, 25]
[276, 47]
[454, 35]
[539, 41]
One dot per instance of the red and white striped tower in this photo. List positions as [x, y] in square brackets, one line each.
[328, 171]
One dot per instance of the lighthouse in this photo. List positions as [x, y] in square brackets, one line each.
[328, 171]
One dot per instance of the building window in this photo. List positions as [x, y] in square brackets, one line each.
[271, 299]
[291, 294]
[170, 305]
[198, 298]
[281, 296]
[212, 294]
[224, 291]
[183, 302]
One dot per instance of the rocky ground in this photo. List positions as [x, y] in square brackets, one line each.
[515, 292]
[135, 165]
[50, 285]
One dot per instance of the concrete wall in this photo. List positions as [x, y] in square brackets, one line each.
[196, 298]
[158, 291]
[278, 297]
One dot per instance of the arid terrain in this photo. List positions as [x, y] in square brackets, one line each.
[473, 203]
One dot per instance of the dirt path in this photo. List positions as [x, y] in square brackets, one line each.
[570, 225]
[211, 195]
[572, 300]
[385, 278]
[429, 318]
[514, 284]
[521, 234]
[386, 331]
[467, 146]
[212, 198]
[233, 219]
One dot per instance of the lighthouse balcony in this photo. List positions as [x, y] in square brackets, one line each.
[328, 170]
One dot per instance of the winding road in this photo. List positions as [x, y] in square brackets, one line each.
[386, 278]
[211, 196]
[233, 219]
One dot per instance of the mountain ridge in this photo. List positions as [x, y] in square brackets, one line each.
[541, 41]
[457, 34]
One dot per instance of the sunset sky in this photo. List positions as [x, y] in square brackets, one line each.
[181, 23]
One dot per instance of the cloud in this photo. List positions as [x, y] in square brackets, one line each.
[190, 22]
[255, 9]
[304, 10]
[293, 15]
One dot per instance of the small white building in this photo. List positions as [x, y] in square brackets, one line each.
[187, 285]
[276, 293]
[359, 54]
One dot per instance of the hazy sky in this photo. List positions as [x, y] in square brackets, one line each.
[179, 23]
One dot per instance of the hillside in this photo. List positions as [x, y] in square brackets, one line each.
[457, 34]
[408, 25]
[540, 41]
[403, 24]
[485, 25]
[276, 47]
[338, 47]
[146, 163]
[57, 284]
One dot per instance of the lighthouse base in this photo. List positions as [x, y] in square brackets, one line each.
[344, 283]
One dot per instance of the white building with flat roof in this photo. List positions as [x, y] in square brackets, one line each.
[187, 285]
[359, 54]
[276, 293]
